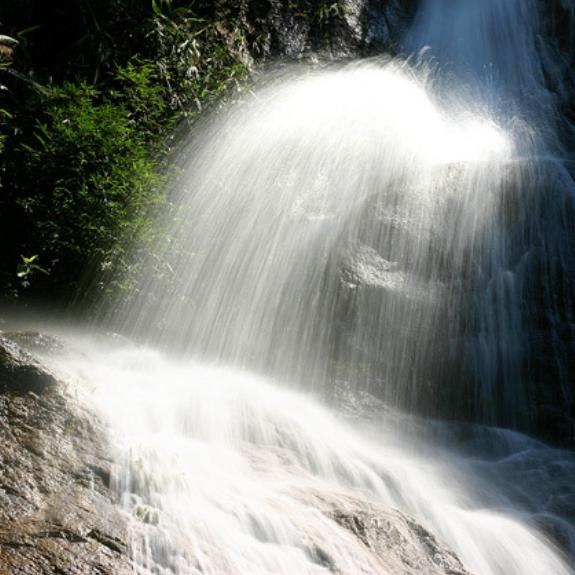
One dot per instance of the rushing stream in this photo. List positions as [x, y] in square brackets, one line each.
[366, 235]
[224, 472]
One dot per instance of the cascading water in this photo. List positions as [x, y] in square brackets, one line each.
[368, 227]
[327, 197]
[223, 472]
[492, 52]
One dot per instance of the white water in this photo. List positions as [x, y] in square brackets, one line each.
[345, 224]
[387, 223]
[326, 228]
[224, 472]
[494, 53]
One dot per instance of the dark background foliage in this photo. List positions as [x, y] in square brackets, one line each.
[90, 95]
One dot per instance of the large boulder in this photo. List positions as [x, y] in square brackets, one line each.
[57, 512]
[312, 28]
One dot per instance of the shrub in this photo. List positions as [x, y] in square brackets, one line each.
[198, 60]
[85, 178]
[81, 155]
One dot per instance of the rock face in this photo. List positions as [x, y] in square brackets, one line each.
[57, 513]
[314, 28]
[437, 353]
[400, 544]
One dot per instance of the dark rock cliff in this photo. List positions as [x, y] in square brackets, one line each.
[314, 28]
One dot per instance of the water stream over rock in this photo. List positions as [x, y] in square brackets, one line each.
[224, 472]
[379, 235]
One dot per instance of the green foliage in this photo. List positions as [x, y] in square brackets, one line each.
[86, 177]
[329, 11]
[198, 60]
[138, 88]
[90, 92]
[81, 156]
[27, 267]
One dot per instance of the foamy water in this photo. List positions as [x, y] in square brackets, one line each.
[221, 471]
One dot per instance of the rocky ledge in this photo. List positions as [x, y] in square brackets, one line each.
[398, 544]
[57, 512]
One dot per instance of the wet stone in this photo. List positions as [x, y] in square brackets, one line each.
[57, 513]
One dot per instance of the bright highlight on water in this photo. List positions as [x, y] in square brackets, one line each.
[303, 206]
[346, 232]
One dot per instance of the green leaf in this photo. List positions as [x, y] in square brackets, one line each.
[26, 31]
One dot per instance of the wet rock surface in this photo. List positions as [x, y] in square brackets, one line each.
[19, 372]
[57, 513]
[400, 544]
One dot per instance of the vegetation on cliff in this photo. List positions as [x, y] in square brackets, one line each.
[90, 95]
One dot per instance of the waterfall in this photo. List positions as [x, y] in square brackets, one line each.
[493, 52]
[491, 46]
[381, 235]
[223, 471]
[321, 230]
[394, 223]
